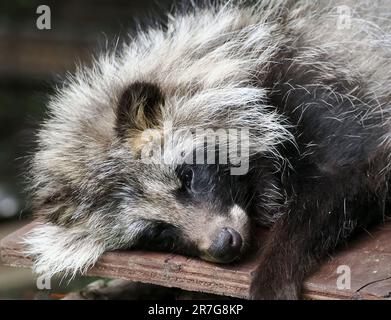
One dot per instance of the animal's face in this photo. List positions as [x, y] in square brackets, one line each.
[190, 209]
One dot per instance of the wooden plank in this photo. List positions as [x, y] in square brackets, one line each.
[368, 257]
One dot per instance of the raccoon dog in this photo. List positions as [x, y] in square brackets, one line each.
[309, 84]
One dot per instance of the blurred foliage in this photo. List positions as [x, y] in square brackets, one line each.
[21, 109]
[17, 9]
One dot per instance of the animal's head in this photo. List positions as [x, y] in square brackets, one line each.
[98, 190]
[101, 180]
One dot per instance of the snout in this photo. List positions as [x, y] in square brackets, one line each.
[226, 246]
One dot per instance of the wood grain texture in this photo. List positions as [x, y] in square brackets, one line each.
[368, 256]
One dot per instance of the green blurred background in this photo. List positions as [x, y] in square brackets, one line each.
[32, 62]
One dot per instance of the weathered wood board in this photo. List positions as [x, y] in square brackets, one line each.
[368, 257]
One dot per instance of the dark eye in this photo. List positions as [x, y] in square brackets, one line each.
[187, 177]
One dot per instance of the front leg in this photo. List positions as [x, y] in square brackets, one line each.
[284, 263]
[320, 218]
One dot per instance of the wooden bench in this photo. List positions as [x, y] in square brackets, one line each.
[368, 257]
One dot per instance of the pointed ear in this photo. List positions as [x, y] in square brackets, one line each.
[139, 108]
[59, 250]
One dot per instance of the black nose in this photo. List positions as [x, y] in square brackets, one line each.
[226, 246]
